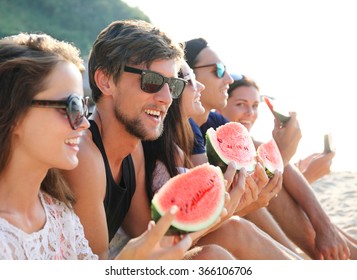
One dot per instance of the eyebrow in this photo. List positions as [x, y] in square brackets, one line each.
[245, 100]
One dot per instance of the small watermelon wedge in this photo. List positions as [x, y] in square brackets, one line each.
[328, 147]
[283, 118]
[271, 158]
[199, 195]
[231, 142]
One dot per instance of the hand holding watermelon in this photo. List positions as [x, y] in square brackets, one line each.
[235, 188]
[270, 191]
[253, 188]
[287, 138]
[236, 182]
[282, 118]
[148, 246]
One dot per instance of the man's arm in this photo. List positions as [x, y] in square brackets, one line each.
[88, 183]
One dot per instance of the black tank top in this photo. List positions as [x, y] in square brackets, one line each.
[117, 197]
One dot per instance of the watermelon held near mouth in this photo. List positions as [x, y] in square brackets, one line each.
[271, 158]
[199, 194]
[231, 142]
[283, 118]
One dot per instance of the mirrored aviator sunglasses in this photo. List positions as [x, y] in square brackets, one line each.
[220, 68]
[76, 108]
[152, 82]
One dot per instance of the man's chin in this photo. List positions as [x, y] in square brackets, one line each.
[151, 135]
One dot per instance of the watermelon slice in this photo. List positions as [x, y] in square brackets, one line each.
[271, 158]
[231, 142]
[199, 194]
[328, 148]
[283, 118]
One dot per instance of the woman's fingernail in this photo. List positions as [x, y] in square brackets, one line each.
[173, 209]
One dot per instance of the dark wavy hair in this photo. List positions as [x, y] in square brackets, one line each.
[26, 60]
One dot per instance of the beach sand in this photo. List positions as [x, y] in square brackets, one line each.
[337, 193]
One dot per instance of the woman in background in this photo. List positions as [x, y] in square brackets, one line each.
[242, 106]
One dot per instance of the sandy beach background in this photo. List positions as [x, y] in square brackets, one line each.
[337, 193]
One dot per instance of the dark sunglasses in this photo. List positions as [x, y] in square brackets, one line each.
[76, 108]
[152, 82]
[220, 68]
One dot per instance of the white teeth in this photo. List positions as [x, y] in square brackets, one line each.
[72, 141]
[152, 112]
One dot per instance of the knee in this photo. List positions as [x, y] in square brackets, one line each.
[209, 252]
[238, 230]
[237, 225]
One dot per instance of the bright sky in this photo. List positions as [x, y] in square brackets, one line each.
[302, 52]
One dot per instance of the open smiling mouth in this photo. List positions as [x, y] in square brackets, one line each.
[153, 113]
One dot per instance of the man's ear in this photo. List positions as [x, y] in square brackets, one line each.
[103, 81]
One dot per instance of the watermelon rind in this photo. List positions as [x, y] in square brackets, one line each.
[282, 118]
[213, 157]
[216, 156]
[208, 215]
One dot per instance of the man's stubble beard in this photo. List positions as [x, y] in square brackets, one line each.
[135, 127]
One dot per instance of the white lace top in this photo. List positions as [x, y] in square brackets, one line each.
[62, 236]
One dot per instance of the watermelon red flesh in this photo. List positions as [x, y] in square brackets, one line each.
[231, 142]
[199, 194]
[270, 156]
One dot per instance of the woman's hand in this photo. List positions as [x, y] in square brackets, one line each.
[287, 137]
[150, 245]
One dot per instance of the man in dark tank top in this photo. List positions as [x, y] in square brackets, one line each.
[133, 77]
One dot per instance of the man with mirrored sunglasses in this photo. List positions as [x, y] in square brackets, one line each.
[133, 70]
[220, 68]
[296, 208]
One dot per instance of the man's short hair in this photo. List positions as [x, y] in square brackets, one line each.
[133, 42]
